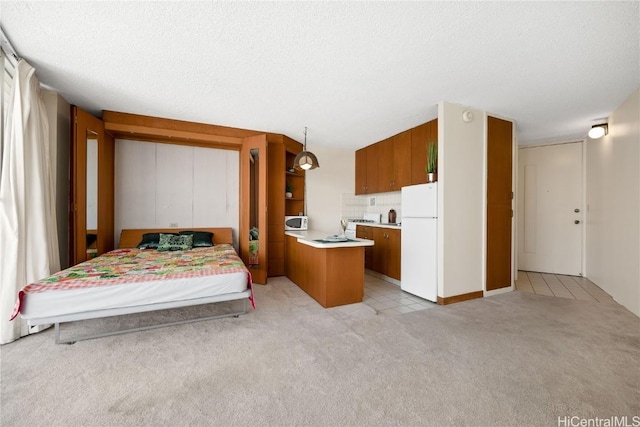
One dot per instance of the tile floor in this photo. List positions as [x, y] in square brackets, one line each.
[388, 299]
[573, 287]
[384, 298]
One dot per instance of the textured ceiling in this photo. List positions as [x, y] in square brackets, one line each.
[352, 72]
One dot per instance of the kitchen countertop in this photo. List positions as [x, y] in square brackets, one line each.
[309, 238]
[379, 224]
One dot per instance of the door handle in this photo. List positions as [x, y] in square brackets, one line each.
[577, 221]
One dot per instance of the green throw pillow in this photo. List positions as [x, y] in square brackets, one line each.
[149, 241]
[201, 239]
[171, 242]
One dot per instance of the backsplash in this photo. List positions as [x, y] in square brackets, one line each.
[352, 206]
[356, 206]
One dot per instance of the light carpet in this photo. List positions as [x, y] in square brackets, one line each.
[508, 360]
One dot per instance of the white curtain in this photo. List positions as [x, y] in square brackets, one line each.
[28, 232]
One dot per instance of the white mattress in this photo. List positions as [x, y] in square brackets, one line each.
[73, 301]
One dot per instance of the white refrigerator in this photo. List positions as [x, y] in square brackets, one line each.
[418, 269]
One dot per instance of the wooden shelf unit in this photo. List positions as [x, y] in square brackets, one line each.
[294, 205]
[282, 150]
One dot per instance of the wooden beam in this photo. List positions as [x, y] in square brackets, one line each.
[128, 131]
[170, 124]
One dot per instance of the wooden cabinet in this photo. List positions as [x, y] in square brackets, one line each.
[372, 170]
[365, 232]
[401, 160]
[386, 254]
[331, 276]
[361, 171]
[395, 162]
[384, 257]
[367, 170]
[276, 186]
[294, 267]
[385, 165]
[420, 136]
[273, 157]
[282, 151]
[394, 239]
[499, 203]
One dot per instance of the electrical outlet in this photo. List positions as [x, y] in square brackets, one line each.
[173, 224]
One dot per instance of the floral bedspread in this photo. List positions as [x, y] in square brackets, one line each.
[125, 266]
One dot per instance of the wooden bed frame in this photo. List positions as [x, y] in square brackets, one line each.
[129, 238]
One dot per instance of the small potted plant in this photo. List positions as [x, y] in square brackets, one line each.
[288, 191]
[432, 161]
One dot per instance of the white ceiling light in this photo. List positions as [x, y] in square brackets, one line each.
[598, 131]
[306, 160]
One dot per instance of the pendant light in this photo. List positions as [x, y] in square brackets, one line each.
[305, 160]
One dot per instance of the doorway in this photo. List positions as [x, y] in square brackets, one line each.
[550, 208]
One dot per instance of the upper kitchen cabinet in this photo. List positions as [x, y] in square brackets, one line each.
[420, 137]
[394, 162]
[367, 170]
[401, 160]
[361, 171]
[373, 154]
[385, 165]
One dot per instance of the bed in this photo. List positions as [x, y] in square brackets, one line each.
[131, 280]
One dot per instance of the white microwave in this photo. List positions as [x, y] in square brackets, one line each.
[296, 222]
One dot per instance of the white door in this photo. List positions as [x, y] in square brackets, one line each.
[550, 229]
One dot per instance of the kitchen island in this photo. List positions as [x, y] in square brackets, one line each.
[332, 273]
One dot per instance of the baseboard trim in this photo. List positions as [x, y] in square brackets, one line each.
[499, 291]
[460, 298]
[382, 276]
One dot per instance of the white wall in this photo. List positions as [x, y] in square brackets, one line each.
[325, 186]
[164, 185]
[613, 206]
[461, 201]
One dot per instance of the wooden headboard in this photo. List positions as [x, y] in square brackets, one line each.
[131, 237]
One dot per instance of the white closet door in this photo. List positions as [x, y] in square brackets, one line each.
[174, 185]
[163, 185]
[135, 185]
[215, 188]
